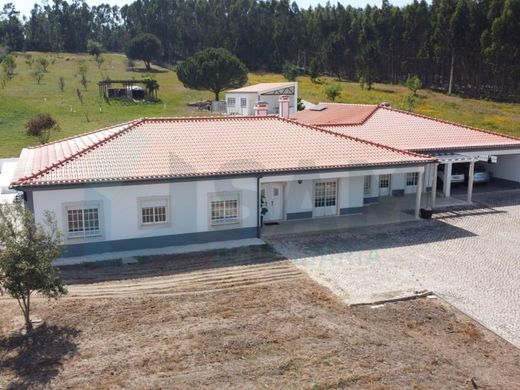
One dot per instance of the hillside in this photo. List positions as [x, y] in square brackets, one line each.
[22, 97]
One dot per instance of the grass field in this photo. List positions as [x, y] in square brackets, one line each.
[22, 98]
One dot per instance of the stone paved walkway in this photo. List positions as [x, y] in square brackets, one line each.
[470, 257]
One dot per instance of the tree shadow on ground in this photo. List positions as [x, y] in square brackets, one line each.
[37, 358]
[153, 70]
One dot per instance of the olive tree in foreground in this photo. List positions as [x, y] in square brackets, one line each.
[26, 255]
[213, 70]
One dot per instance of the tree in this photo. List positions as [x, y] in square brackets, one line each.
[146, 47]
[315, 69]
[290, 71]
[413, 83]
[94, 48]
[9, 65]
[44, 63]
[214, 70]
[332, 91]
[38, 74]
[61, 83]
[41, 126]
[29, 248]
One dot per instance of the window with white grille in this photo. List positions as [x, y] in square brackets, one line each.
[384, 181]
[225, 209]
[231, 102]
[325, 194]
[367, 186]
[154, 211]
[83, 220]
[243, 102]
[412, 178]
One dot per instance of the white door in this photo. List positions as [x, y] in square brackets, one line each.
[412, 179]
[273, 201]
[384, 185]
[325, 198]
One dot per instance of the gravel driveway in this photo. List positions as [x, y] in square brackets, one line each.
[469, 257]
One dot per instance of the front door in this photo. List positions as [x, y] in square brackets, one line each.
[384, 185]
[325, 198]
[272, 195]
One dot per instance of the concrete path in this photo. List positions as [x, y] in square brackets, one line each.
[470, 257]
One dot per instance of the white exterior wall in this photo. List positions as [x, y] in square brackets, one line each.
[507, 167]
[298, 197]
[351, 192]
[189, 207]
[237, 109]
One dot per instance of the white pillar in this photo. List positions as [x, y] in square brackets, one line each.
[470, 180]
[418, 194]
[434, 184]
[447, 179]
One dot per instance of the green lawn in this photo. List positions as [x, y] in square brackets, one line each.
[22, 98]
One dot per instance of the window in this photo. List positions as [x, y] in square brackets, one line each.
[367, 186]
[225, 209]
[231, 102]
[384, 181]
[325, 194]
[243, 102]
[154, 211]
[412, 178]
[83, 221]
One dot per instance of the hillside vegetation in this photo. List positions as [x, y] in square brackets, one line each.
[22, 97]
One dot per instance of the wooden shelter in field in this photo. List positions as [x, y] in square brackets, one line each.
[127, 89]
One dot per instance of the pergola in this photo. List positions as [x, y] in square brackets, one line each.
[127, 85]
[448, 159]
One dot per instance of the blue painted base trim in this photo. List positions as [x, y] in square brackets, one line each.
[301, 215]
[91, 248]
[374, 199]
[398, 192]
[351, 210]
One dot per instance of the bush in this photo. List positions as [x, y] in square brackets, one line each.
[414, 83]
[41, 126]
[290, 71]
[333, 91]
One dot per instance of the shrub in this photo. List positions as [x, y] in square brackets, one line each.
[333, 91]
[41, 126]
[290, 71]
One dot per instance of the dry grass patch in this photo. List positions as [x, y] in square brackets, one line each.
[288, 334]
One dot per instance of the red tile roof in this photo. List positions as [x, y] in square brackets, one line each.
[409, 131]
[262, 87]
[335, 114]
[151, 149]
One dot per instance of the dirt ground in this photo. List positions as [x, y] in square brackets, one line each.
[205, 321]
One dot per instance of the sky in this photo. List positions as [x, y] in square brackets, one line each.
[24, 6]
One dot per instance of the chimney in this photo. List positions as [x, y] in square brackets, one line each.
[284, 106]
[261, 108]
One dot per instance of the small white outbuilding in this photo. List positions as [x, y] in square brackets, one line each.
[242, 101]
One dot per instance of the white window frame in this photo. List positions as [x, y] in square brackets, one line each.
[160, 201]
[325, 194]
[76, 206]
[367, 185]
[243, 102]
[225, 197]
[414, 176]
[231, 101]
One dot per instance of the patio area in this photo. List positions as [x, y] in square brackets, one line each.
[387, 210]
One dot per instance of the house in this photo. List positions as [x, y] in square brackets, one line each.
[457, 148]
[161, 182]
[245, 100]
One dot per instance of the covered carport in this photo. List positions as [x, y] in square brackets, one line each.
[448, 160]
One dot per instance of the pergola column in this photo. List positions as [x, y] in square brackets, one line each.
[434, 184]
[418, 194]
[470, 180]
[447, 179]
